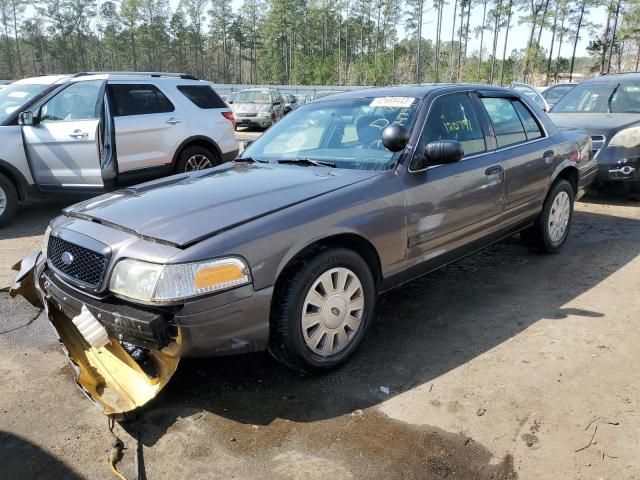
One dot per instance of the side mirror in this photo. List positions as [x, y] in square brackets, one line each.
[229, 102]
[27, 118]
[276, 103]
[443, 151]
[395, 137]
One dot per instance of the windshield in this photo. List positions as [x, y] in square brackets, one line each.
[555, 93]
[14, 96]
[344, 132]
[252, 96]
[602, 97]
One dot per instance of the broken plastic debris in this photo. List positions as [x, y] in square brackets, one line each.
[90, 328]
[385, 390]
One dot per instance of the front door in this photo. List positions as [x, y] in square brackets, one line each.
[451, 206]
[63, 145]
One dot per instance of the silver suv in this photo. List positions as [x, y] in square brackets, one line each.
[90, 132]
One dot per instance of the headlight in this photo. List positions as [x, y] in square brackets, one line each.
[264, 113]
[629, 138]
[45, 241]
[150, 282]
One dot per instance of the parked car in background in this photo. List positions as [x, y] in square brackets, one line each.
[287, 248]
[229, 98]
[555, 92]
[258, 107]
[4, 83]
[84, 133]
[302, 99]
[608, 108]
[290, 102]
[532, 93]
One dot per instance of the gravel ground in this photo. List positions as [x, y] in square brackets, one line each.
[504, 365]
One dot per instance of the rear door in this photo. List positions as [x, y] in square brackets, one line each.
[149, 127]
[453, 205]
[526, 152]
[63, 146]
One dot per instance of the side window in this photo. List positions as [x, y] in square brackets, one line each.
[452, 117]
[137, 99]
[202, 96]
[505, 120]
[76, 102]
[531, 127]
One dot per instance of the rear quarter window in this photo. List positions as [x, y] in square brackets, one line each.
[203, 96]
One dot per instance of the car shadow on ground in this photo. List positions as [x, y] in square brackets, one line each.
[22, 459]
[422, 330]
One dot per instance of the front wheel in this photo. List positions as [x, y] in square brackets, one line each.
[322, 311]
[8, 200]
[552, 226]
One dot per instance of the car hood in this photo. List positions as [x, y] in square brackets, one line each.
[596, 123]
[240, 108]
[185, 209]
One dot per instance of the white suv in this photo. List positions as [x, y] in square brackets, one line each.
[88, 132]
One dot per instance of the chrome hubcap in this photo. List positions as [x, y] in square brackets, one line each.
[332, 311]
[3, 201]
[559, 217]
[197, 162]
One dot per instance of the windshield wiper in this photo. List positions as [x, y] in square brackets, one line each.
[250, 160]
[611, 98]
[307, 162]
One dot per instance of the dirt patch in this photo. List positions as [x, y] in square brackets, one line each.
[361, 445]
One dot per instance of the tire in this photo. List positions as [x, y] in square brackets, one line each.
[191, 157]
[544, 236]
[8, 200]
[635, 188]
[293, 333]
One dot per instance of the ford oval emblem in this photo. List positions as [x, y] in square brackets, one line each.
[67, 258]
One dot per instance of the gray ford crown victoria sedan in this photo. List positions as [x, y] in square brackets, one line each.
[286, 248]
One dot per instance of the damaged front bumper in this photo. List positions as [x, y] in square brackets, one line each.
[114, 375]
[108, 374]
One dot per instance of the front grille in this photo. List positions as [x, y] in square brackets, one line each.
[597, 142]
[86, 266]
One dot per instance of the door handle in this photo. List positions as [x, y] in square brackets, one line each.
[173, 121]
[78, 134]
[495, 170]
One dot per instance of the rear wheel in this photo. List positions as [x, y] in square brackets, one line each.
[322, 311]
[8, 200]
[196, 158]
[551, 229]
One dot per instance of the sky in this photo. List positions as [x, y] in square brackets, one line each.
[518, 34]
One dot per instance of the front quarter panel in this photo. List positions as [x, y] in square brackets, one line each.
[373, 209]
[12, 150]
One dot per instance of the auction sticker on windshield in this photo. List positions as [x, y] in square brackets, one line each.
[392, 102]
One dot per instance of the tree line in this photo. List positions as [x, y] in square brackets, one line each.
[343, 42]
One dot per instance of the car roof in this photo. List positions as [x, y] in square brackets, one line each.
[615, 77]
[408, 90]
[42, 80]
